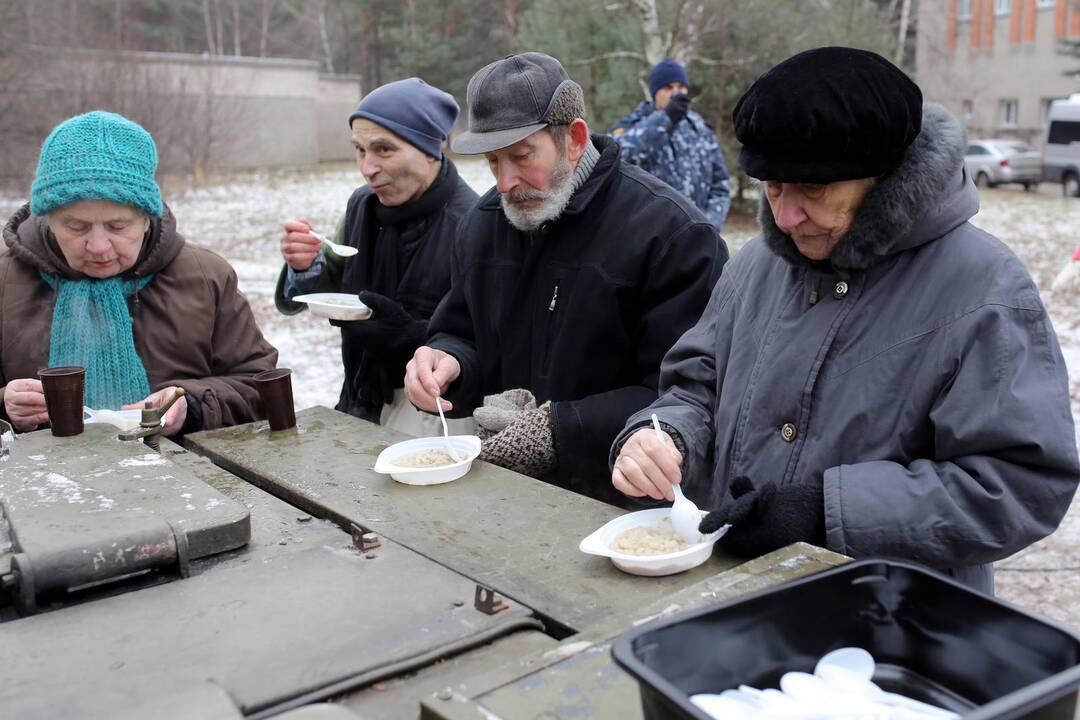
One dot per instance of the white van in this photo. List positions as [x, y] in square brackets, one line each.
[1061, 146]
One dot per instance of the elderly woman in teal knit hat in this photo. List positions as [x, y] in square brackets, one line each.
[97, 275]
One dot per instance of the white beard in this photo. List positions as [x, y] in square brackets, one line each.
[552, 201]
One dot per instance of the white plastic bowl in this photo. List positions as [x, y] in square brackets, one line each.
[123, 419]
[335, 306]
[599, 543]
[463, 445]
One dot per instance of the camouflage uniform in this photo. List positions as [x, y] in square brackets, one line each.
[688, 158]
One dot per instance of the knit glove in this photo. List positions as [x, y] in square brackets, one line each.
[499, 411]
[390, 331]
[769, 516]
[677, 108]
[525, 445]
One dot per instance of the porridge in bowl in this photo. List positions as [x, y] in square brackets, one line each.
[648, 540]
[425, 459]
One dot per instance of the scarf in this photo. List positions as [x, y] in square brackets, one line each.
[398, 231]
[92, 327]
[389, 241]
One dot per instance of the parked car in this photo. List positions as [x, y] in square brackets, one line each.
[1061, 146]
[993, 162]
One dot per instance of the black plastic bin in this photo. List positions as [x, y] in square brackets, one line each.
[933, 639]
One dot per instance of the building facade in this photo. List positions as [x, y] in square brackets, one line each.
[206, 113]
[995, 63]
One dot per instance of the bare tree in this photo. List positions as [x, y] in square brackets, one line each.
[901, 35]
[266, 11]
[236, 27]
[208, 26]
[324, 36]
[318, 24]
[219, 26]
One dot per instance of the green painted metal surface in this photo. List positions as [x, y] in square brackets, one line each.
[452, 680]
[86, 480]
[579, 679]
[506, 530]
[266, 631]
[90, 513]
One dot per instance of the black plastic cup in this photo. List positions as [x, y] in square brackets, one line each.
[64, 388]
[275, 389]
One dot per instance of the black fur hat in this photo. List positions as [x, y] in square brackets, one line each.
[827, 114]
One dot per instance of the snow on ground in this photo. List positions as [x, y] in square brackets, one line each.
[241, 220]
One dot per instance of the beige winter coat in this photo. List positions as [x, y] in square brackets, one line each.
[192, 327]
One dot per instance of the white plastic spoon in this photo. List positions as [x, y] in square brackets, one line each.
[342, 250]
[685, 516]
[853, 659]
[728, 705]
[855, 686]
[445, 431]
[824, 699]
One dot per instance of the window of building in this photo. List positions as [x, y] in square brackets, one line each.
[1044, 110]
[963, 11]
[1046, 3]
[1002, 7]
[967, 110]
[1009, 112]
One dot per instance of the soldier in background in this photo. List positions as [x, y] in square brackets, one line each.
[674, 143]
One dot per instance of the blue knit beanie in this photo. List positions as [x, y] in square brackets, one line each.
[97, 156]
[420, 114]
[666, 72]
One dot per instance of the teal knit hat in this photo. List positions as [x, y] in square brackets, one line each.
[97, 156]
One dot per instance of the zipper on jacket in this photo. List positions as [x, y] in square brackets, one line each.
[814, 292]
[550, 329]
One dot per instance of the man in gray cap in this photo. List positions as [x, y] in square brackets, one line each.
[402, 223]
[571, 279]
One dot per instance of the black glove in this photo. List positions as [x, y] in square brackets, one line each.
[390, 331]
[677, 108]
[769, 517]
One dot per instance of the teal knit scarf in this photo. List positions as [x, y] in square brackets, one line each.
[91, 327]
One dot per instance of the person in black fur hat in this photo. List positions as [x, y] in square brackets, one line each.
[873, 374]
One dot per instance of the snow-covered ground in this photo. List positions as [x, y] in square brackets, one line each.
[241, 220]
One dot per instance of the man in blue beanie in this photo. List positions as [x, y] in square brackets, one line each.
[674, 143]
[402, 223]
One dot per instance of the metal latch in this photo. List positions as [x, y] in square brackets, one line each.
[364, 540]
[150, 426]
[488, 601]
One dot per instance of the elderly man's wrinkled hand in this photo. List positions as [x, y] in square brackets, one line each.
[24, 402]
[428, 375]
[645, 467]
[174, 416]
[299, 247]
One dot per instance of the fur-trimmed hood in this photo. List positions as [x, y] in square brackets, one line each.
[29, 238]
[926, 197]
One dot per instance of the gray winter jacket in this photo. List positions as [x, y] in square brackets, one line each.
[917, 373]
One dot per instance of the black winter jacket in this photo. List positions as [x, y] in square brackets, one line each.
[424, 282]
[580, 311]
